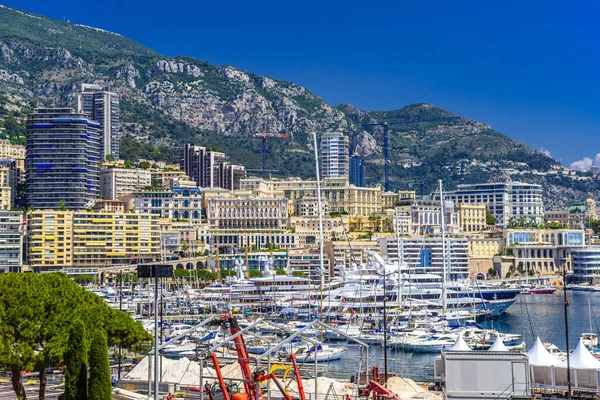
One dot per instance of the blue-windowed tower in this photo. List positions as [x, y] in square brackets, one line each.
[62, 159]
[357, 171]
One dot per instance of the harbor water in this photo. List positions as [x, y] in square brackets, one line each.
[541, 315]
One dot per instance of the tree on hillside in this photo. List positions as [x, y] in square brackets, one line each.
[76, 384]
[100, 387]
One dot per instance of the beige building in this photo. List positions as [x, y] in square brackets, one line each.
[392, 199]
[165, 177]
[538, 251]
[471, 217]
[110, 206]
[115, 183]
[11, 150]
[245, 210]
[307, 228]
[59, 239]
[482, 251]
[7, 199]
[337, 192]
[309, 207]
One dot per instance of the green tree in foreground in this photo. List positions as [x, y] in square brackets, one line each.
[100, 387]
[83, 279]
[36, 316]
[76, 384]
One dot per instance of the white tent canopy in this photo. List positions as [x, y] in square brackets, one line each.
[498, 345]
[460, 344]
[539, 355]
[581, 358]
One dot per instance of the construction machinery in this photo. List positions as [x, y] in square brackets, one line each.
[251, 381]
[386, 181]
[378, 391]
[264, 136]
[376, 388]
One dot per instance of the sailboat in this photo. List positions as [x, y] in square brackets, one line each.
[589, 339]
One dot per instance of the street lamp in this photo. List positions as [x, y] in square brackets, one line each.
[566, 305]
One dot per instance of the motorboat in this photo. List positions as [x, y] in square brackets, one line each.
[590, 340]
[541, 290]
[431, 343]
[320, 353]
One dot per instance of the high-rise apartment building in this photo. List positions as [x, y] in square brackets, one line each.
[98, 103]
[357, 171]
[334, 155]
[508, 201]
[62, 160]
[209, 168]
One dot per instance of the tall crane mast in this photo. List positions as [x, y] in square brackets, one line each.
[264, 136]
[386, 181]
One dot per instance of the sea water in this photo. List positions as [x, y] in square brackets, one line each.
[532, 315]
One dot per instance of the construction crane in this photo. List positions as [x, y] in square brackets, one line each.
[252, 390]
[386, 181]
[270, 171]
[264, 136]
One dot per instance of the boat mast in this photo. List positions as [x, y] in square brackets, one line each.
[399, 295]
[589, 313]
[444, 300]
[322, 277]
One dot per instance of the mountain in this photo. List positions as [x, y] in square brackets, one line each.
[167, 101]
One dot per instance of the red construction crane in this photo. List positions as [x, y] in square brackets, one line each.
[264, 136]
[251, 389]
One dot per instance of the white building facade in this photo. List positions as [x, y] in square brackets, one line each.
[508, 201]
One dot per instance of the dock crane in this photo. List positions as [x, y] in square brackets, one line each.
[386, 181]
[252, 390]
[264, 136]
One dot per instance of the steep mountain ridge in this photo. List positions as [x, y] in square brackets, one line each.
[167, 101]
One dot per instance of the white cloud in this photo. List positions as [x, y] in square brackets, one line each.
[582, 165]
[545, 151]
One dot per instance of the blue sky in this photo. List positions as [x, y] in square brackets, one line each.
[529, 69]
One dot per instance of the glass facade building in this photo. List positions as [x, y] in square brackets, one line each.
[62, 159]
[357, 171]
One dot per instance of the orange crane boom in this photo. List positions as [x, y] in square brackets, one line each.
[252, 390]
